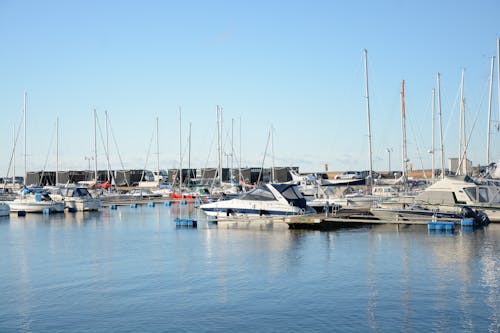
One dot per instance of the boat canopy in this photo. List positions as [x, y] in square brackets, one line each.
[437, 198]
[261, 193]
[79, 192]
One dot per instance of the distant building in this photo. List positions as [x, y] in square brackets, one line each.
[132, 177]
[453, 163]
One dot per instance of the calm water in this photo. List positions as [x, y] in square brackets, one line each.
[133, 270]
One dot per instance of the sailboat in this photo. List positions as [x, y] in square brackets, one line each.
[74, 197]
[157, 178]
[33, 201]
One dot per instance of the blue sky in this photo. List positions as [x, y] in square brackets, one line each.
[294, 65]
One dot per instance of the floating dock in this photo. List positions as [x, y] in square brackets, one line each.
[351, 218]
[342, 218]
[348, 218]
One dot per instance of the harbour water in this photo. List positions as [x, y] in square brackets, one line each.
[134, 270]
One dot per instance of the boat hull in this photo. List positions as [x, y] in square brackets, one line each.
[237, 207]
[36, 207]
[84, 205]
[4, 210]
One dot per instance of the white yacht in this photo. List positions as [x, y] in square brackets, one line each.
[35, 202]
[76, 198]
[462, 191]
[267, 200]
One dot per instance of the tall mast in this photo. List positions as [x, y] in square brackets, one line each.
[239, 164]
[189, 155]
[433, 149]
[498, 71]
[157, 149]
[272, 152]
[180, 150]
[232, 148]
[107, 144]
[403, 134]
[440, 124]
[57, 150]
[462, 133]
[14, 156]
[25, 151]
[368, 116]
[95, 146]
[488, 133]
[219, 142]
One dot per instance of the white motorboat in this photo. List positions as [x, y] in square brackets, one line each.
[4, 209]
[461, 191]
[76, 198]
[267, 200]
[143, 193]
[36, 202]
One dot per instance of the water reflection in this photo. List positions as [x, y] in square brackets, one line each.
[382, 278]
[490, 268]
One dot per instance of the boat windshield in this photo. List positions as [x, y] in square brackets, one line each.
[82, 192]
[479, 194]
[483, 195]
[291, 194]
[471, 193]
[260, 193]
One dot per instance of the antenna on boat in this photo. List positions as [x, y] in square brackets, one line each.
[368, 116]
